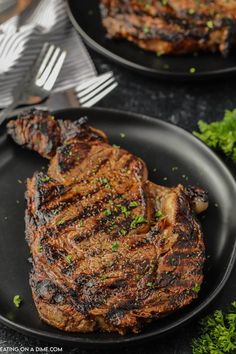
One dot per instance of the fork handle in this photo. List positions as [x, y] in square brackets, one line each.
[5, 113]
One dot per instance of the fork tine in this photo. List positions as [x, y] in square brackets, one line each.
[45, 74]
[55, 72]
[44, 57]
[97, 98]
[93, 80]
[98, 89]
[93, 87]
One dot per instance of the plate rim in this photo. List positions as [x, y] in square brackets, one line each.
[64, 337]
[185, 76]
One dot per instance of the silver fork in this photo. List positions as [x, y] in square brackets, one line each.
[39, 81]
[92, 91]
[86, 94]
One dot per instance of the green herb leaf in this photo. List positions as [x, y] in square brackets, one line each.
[115, 246]
[133, 204]
[221, 134]
[192, 70]
[217, 334]
[69, 258]
[150, 284]
[159, 215]
[107, 212]
[17, 300]
[196, 288]
[81, 223]
[45, 179]
[40, 248]
[139, 219]
[123, 232]
[210, 24]
[124, 210]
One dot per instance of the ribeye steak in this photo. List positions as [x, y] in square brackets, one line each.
[173, 26]
[111, 250]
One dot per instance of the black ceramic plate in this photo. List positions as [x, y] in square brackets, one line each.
[86, 18]
[163, 146]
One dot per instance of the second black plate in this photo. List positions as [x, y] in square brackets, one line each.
[85, 16]
[173, 156]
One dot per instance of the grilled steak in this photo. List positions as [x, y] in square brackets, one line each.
[173, 26]
[111, 250]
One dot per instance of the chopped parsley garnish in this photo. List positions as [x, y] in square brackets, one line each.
[123, 232]
[196, 288]
[104, 180]
[124, 210]
[69, 258]
[19, 181]
[150, 284]
[17, 300]
[159, 215]
[139, 219]
[45, 179]
[60, 222]
[107, 212]
[134, 204]
[40, 248]
[192, 70]
[116, 146]
[146, 29]
[164, 2]
[221, 134]
[81, 223]
[115, 246]
[210, 24]
[185, 177]
[217, 334]
[191, 11]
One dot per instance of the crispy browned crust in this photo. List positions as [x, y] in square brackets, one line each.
[93, 266]
[178, 27]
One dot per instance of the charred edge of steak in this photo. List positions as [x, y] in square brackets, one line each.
[191, 14]
[39, 131]
[198, 198]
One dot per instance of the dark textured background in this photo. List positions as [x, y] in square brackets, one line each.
[182, 104]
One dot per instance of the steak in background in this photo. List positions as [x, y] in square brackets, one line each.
[173, 26]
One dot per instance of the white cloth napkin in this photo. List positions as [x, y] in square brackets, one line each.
[19, 48]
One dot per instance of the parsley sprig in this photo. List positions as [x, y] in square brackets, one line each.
[221, 134]
[218, 333]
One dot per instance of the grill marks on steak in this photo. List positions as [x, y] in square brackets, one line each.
[175, 28]
[101, 257]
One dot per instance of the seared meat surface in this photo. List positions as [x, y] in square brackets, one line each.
[173, 26]
[111, 250]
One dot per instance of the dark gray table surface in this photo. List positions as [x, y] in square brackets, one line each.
[182, 104]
